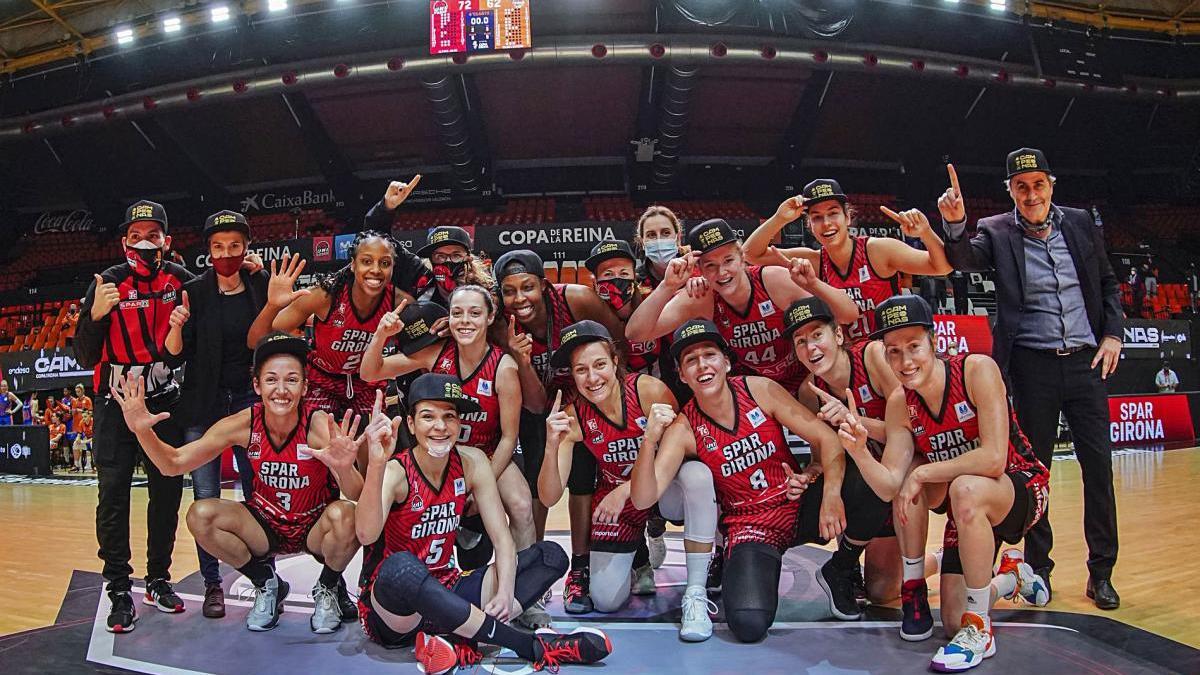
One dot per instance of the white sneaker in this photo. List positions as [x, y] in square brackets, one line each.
[697, 625]
[971, 645]
[643, 581]
[658, 551]
[1030, 586]
[326, 616]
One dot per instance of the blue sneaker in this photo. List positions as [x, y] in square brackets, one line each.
[971, 645]
[1030, 586]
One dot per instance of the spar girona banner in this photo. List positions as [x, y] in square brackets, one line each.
[968, 334]
[1134, 420]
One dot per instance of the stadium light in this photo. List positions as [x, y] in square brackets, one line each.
[124, 36]
[172, 24]
[998, 5]
[277, 5]
[951, 2]
[220, 13]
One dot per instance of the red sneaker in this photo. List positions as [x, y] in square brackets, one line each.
[435, 654]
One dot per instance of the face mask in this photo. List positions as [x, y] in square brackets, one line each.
[616, 292]
[438, 450]
[229, 266]
[447, 275]
[661, 250]
[144, 257]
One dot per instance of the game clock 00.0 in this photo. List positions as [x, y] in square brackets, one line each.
[458, 26]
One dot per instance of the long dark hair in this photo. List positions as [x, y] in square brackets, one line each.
[333, 282]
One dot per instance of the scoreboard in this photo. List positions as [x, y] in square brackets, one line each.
[457, 26]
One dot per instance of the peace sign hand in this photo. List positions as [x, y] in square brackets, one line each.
[381, 433]
[853, 435]
[951, 202]
[390, 323]
[283, 280]
[912, 222]
[397, 192]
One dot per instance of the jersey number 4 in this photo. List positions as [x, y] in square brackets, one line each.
[758, 480]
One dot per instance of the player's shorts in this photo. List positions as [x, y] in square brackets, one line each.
[622, 536]
[284, 538]
[777, 527]
[335, 394]
[466, 585]
[1030, 499]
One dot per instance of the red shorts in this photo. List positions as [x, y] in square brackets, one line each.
[378, 632]
[622, 536]
[775, 527]
[285, 537]
[335, 394]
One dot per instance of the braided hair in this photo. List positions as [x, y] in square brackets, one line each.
[333, 282]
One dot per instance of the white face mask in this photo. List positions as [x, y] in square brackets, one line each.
[661, 250]
[439, 450]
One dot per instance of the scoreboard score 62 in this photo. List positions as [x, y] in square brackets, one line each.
[457, 26]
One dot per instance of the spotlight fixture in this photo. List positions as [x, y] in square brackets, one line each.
[172, 24]
[220, 13]
[124, 36]
[277, 5]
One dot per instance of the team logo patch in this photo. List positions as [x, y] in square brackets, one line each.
[418, 504]
[962, 410]
[864, 274]
[254, 451]
[709, 443]
[168, 296]
[756, 417]
[303, 451]
[460, 486]
[766, 308]
[484, 388]
[592, 425]
[864, 393]
[641, 422]
[598, 439]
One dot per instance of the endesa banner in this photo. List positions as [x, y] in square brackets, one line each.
[43, 369]
[968, 334]
[1135, 420]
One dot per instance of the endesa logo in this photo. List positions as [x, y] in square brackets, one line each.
[1134, 420]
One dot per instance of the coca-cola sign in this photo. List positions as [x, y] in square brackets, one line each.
[78, 220]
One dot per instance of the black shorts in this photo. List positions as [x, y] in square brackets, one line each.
[532, 436]
[1028, 507]
[467, 585]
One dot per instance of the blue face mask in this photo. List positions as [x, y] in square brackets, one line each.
[661, 250]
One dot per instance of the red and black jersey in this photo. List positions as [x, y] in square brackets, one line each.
[290, 485]
[954, 429]
[756, 336]
[340, 339]
[747, 466]
[426, 523]
[644, 355]
[558, 317]
[479, 429]
[862, 283]
[131, 339]
[868, 402]
[614, 444]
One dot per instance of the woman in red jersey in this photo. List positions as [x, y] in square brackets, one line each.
[411, 590]
[865, 267]
[954, 447]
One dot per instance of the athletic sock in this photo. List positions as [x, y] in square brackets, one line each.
[914, 569]
[847, 554]
[329, 577]
[697, 568]
[493, 632]
[978, 602]
[641, 555]
[581, 562]
[1005, 584]
[257, 571]
[937, 561]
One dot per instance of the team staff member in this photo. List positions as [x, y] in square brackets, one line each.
[952, 446]
[1057, 338]
[867, 268]
[127, 314]
[408, 516]
[298, 455]
[734, 425]
[454, 264]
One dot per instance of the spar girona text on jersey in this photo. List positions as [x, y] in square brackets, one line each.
[868, 402]
[480, 429]
[862, 283]
[747, 466]
[290, 485]
[340, 339]
[615, 446]
[756, 336]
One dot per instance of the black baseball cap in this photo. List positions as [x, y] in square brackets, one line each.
[146, 210]
[805, 311]
[577, 335]
[710, 234]
[607, 250]
[528, 262]
[441, 236]
[418, 319]
[822, 189]
[278, 342]
[1026, 159]
[440, 387]
[696, 331]
[901, 311]
[226, 221]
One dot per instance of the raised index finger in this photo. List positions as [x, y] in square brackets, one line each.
[557, 401]
[400, 306]
[819, 392]
[953, 179]
[413, 183]
[891, 214]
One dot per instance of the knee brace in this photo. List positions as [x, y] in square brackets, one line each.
[405, 587]
[538, 567]
[699, 502]
[751, 590]
[610, 575]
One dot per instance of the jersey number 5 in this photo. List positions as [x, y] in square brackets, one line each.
[435, 551]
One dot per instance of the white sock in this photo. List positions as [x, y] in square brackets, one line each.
[1005, 584]
[697, 569]
[978, 602]
[914, 568]
[937, 560]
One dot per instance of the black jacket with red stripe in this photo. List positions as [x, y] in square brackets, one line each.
[131, 339]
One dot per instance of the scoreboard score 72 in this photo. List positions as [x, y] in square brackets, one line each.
[457, 26]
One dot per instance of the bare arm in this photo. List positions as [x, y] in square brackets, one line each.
[666, 309]
[986, 388]
[787, 285]
[658, 461]
[279, 296]
[385, 483]
[520, 348]
[890, 256]
[487, 496]
[756, 246]
[886, 477]
[508, 388]
[292, 318]
[562, 433]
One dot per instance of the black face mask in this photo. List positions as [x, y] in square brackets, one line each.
[616, 292]
[447, 275]
[145, 258]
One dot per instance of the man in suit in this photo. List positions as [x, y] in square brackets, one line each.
[1057, 338]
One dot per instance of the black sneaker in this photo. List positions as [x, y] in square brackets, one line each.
[917, 623]
[577, 597]
[122, 616]
[345, 603]
[859, 585]
[716, 570]
[582, 645]
[837, 585]
[161, 595]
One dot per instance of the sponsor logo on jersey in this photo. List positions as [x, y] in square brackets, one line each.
[592, 425]
[766, 308]
[254, 451]
[169, 294]
[303, 451]
[598, 439]
[418, 504]
[484, 388]
[709, 443]
[756, 417]
[641, 422]
[460, 486]
[864, 274]
[962, 410]
[864, 393]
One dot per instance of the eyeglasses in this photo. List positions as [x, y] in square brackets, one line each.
[442, 258]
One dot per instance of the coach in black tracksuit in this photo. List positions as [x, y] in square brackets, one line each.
[1057, 337]
[127, 314]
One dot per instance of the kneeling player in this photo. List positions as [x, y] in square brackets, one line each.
[411, 589]
[297, 454]
[953, 446]
[613, 412]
